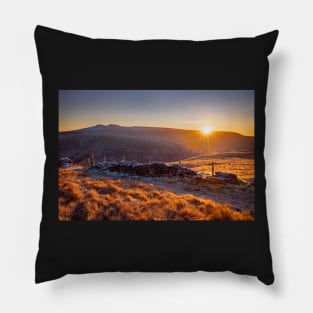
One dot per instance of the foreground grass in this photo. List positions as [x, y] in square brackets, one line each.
[82, 197]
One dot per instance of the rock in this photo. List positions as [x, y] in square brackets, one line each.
[151, 169]
[216, 180]
[114, 174]
[65, 162]
[133, 177]
[228, 177]
[102, 165]
[250, 181]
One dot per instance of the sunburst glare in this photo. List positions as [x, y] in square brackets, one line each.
[206, 130]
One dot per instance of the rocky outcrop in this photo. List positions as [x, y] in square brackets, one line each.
[65, 162]
[147, 169]
[228, 177]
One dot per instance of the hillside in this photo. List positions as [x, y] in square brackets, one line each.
[88, 195]
[146, 144]
[238, 163]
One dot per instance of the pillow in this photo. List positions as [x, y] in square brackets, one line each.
[154, 155]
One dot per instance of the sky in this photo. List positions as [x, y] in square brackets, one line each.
[220, 110]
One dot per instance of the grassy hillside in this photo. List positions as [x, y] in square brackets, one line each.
[82, 197]
[145, 144]
[239, 163]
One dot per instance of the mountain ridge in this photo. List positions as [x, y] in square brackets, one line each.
[146, 144]
[99, 127]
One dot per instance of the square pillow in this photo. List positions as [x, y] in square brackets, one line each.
[154, 155]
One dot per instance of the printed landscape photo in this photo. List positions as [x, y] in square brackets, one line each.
[156, 155]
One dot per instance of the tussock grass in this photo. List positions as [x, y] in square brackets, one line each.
[85, 198]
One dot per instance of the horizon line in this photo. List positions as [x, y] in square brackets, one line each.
[143, 126]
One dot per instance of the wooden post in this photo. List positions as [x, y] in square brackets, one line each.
[212, 168]
[92, 160]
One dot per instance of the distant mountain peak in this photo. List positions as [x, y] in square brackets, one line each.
[98, 127]
[93, 128]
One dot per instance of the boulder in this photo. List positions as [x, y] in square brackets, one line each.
[250, 181]
[65, 162]
[228, 177]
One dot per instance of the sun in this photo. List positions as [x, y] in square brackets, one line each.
[206, 130]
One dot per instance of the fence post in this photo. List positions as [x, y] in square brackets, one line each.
[212, 168]
[92, 160]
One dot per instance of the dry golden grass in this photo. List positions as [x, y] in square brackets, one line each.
[242, 167]
[82, 197]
